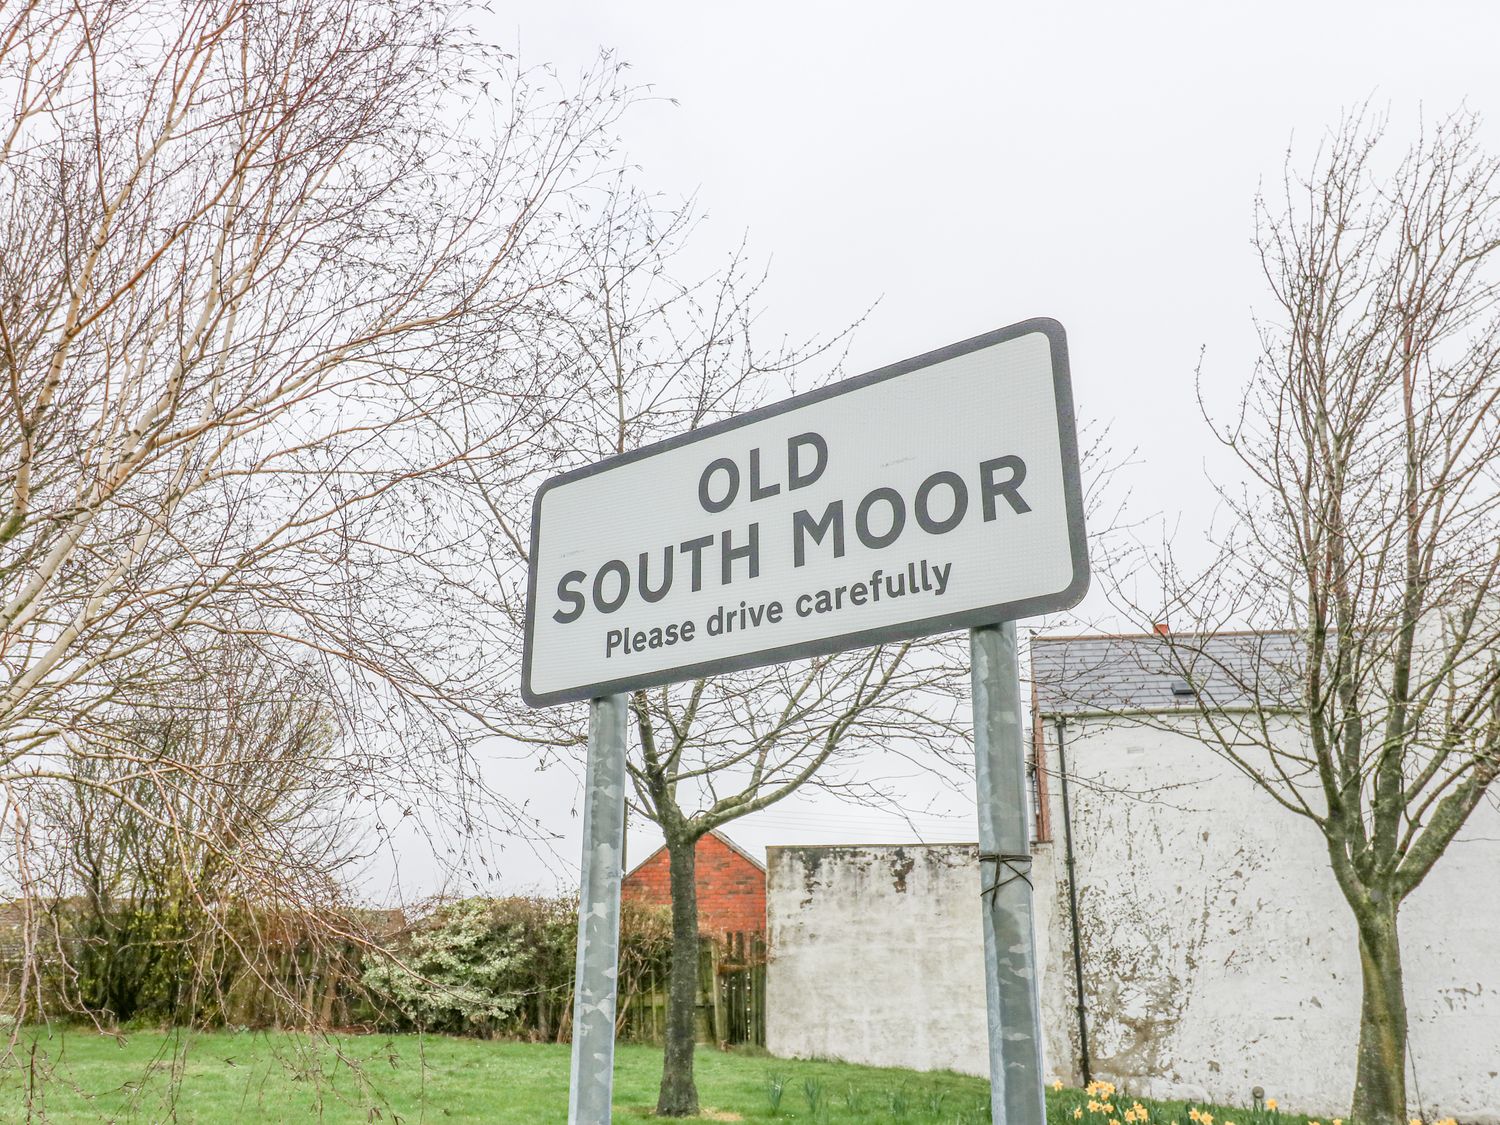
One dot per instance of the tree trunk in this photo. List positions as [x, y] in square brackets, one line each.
[1380, 1078]
[679, 1094]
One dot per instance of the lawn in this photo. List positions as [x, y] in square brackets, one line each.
[76, 1076]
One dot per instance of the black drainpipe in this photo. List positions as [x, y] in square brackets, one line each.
[1083, 1023]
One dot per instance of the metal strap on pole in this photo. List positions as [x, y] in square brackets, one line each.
[589, 1097]
[1016, 1094]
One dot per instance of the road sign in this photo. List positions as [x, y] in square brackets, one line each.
[936, 494]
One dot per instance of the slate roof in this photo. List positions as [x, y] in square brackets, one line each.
[1150, 672]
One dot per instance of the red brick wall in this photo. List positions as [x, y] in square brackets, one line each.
[731, 889]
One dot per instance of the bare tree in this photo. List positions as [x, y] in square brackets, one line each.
[712, 751]
[254, 258]
[651, 356]
[1368, 529]
[188, 831]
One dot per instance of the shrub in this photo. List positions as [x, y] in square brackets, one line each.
[504, 966]
[456, 973]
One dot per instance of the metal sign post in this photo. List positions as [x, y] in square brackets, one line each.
[1010, 976]
[599, 915]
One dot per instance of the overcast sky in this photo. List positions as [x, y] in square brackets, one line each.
[967, 166]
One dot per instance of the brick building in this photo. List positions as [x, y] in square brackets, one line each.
[731, 886]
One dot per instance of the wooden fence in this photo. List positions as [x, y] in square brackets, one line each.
[731, 994]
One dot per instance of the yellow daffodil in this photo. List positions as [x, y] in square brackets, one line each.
[1205, 1119]
[1057, 1085]
[1270, 1103]
[1194, 1114]
[1077, 1112]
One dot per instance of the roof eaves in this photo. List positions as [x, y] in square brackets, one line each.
[723, 839]
[741, 852]
[1039, 638]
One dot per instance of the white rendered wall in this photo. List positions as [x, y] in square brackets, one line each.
[876, 956]
[1219, 954]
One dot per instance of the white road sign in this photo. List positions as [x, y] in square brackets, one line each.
[936, 494]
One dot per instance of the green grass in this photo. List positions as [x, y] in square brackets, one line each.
[76, 1076]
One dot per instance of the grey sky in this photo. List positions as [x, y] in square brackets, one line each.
[970, 165]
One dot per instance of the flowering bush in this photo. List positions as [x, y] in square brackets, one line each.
[503, 966]
[456, 974]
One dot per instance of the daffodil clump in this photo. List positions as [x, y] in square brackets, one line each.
[1103, 1103]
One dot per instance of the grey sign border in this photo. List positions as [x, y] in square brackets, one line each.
[908, 630]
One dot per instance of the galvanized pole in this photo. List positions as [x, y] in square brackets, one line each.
[1016, 1095]
[599, 915]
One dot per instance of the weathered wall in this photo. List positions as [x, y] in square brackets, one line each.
[1219, 953]
[876, 955]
